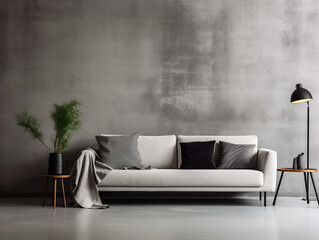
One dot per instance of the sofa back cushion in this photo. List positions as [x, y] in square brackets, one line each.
[237, 156]
[119, 151]
[157, 151]
[198, 155]
[250, 139]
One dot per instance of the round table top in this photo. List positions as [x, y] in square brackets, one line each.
[55, 176]
[297, 170]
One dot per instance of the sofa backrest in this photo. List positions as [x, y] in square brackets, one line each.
[157, 151]
[164, 152]
[251, 139]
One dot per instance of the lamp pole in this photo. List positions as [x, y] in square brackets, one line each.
[307, 190]
[308, 134]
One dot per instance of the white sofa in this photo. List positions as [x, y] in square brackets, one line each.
[163, 153]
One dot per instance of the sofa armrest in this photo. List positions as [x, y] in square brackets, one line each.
[267, 163]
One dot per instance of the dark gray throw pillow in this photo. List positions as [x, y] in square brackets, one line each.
[119, 151]
[237, 156]
[198, 155]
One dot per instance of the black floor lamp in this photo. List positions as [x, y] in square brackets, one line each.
[301, 95]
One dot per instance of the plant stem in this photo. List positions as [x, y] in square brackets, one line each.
[45, 145]
[55, 144]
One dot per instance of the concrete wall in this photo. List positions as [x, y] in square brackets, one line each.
[157, 67]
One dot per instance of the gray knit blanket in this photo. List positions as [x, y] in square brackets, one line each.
[87, 172]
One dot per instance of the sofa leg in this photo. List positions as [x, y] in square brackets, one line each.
[265, 199]
[259, 196]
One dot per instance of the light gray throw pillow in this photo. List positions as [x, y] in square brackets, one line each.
[237, 156]
[119, 151]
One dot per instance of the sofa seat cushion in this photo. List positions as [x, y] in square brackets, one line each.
[183, 178]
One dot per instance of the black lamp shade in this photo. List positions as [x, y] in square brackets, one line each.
[300, 95]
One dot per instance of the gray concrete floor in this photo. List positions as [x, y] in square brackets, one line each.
[291, 218]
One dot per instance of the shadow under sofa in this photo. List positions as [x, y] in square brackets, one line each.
[163, 153]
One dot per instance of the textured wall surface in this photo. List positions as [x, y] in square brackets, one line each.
[157, 67]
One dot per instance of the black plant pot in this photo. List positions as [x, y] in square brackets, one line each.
[55, 164]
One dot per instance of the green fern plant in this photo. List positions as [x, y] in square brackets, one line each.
[66, 118]
[31, 125]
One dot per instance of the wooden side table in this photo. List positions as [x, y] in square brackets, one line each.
[54, 178]
[304, 171]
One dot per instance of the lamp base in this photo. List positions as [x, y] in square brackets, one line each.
[310, 199]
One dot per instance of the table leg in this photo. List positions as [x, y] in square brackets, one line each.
[305, 177]
[54, 193]
[307, 188]
[314, 187]
[45, 190]
[274, 202]
[259, 196]
[63, 193]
